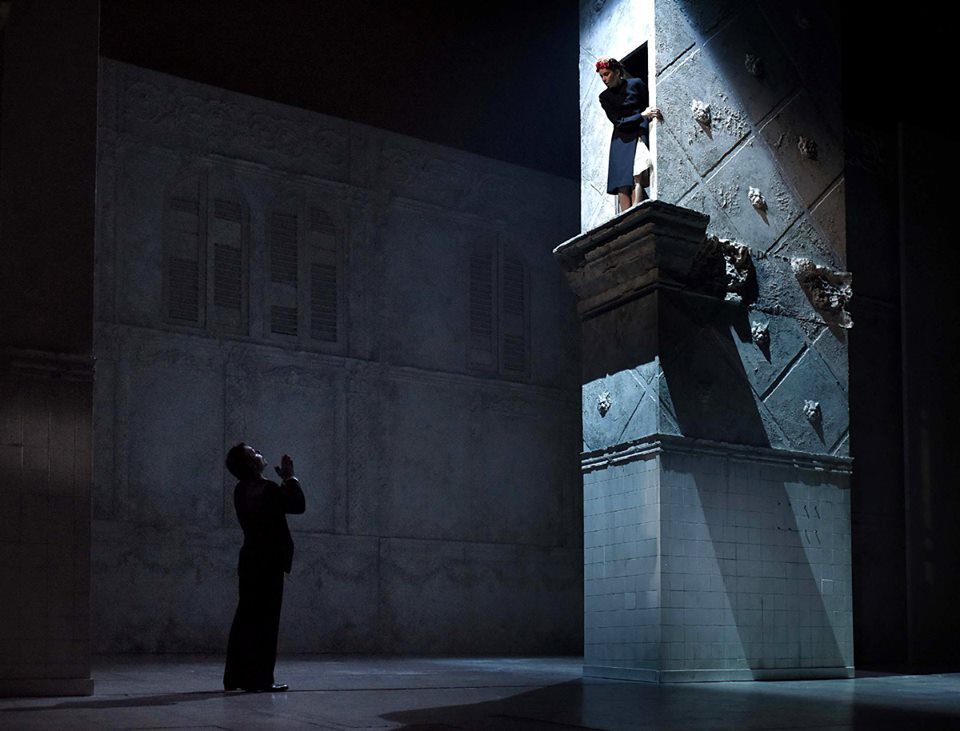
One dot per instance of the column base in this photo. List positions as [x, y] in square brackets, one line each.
[649, 675]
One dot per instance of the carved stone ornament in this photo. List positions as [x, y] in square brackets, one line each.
[811, 410]
[701, 112]
[807, 147]
[761, 334]
[829, 291]
[211, 119]
[756, 199]
[604, 403]
[753, 65]
[723, 268]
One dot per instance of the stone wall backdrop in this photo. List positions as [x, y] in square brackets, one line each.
[385, 310]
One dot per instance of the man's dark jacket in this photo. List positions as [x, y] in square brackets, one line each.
[262, 507]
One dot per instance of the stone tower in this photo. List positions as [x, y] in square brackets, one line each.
[715, 410]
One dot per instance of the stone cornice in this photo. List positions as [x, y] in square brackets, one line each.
[657, 444]
[650, 245]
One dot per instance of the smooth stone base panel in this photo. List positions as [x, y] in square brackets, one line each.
[700, 565]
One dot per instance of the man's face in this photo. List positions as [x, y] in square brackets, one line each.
[256, 458]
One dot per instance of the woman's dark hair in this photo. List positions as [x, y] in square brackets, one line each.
[239, 462]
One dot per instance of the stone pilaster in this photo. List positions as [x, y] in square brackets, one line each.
[48, 118]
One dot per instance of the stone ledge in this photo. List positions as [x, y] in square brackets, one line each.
[657, 444]
[651, 245]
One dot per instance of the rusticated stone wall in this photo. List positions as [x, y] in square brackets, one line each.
[383, 309]
[767, 76]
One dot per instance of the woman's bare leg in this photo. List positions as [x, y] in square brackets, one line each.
[624, 198]
[639, 184]
[639, 194]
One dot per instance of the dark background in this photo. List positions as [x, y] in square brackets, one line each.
[496, 78]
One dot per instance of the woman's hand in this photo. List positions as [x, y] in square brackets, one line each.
[652, 113]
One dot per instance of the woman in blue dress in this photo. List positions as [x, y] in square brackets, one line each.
[626, 104]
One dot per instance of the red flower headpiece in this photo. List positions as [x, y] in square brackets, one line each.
[608, 63]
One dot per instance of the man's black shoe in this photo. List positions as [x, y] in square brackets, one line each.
[275, 688]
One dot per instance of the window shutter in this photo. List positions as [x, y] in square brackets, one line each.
[324, 277]
[284, 263]
[514, 308]
[227, 235]
[481, 349]
[183, 253]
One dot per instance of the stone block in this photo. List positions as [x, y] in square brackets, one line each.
[331, 596]
[139, 234]
[706, 17]
[752, 167]
[811, 39]
[810, 406]
[805, 240]
[288, 407]
[705, 385]
[805, 148]
[173, 445]
[700, 199]
[613, 412]
[698, 81]
[832, 345]
[766, 355]
[675, 174]
[778, 290]
[182, 581]
[673, 36]
[829, 215]
[540, 581]
[751, 61]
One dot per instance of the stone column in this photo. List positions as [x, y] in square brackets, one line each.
[716, 503]
[48, 102]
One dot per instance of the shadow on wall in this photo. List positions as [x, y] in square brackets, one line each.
[776, 553]
[707, 386]
[692, 371]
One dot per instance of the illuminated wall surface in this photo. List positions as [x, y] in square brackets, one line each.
[384, 310]
[724, 552]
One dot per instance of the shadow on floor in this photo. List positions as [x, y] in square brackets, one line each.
[757, 706]
[166, 699]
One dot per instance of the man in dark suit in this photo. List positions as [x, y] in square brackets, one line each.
[267, 553]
